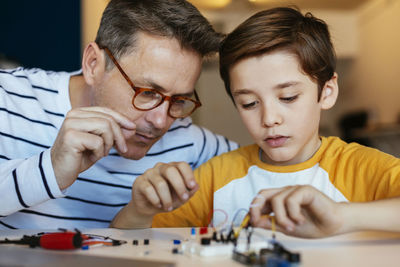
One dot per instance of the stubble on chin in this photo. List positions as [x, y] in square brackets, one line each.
[128, 134]
[135, 151]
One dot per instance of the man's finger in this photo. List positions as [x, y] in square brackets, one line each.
[118, 117]
[96, 122]
[172, 174]
[82, 141]
[187, 173]
[162, 188]
[148, 191]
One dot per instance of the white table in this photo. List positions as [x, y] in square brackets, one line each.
[356, 249]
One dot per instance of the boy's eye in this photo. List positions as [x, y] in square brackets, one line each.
[288, 99]
[249, 105]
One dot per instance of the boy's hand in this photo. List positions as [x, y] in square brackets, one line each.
[163, 188]
[301, 211]
[86, 135]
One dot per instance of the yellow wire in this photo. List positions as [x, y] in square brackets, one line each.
[273, 225]
[246, 221]
[243, 224]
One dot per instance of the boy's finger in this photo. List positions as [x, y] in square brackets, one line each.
[260, 204]
[278, 203]
[300, 198]
[293, 206]
[256, 207]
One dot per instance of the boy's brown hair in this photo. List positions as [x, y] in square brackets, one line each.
[281, 29]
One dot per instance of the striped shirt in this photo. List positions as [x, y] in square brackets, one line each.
[33, 105]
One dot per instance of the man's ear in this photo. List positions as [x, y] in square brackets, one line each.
[93, 63]
[330, 93]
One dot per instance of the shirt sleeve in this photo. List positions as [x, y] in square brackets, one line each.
[365, 174]
[385, 172]
[27, 182]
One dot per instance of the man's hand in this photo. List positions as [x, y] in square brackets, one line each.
[301, 211]
[86, 135]
[163, 188]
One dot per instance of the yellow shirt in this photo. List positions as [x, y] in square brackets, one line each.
[229, 182]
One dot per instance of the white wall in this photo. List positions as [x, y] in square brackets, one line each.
[90, 17]
[376, 72]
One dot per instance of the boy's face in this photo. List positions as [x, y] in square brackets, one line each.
[279, 105]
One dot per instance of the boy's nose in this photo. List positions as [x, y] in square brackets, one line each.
[271, 117]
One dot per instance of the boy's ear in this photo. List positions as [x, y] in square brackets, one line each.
[330, 93]
[93, 63]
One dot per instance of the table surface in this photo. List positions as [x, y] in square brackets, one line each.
[355, 249]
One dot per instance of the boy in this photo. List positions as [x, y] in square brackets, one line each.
[279, 69]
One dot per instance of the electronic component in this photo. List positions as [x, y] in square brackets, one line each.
[214, 236]
[277, 255]
[176, 248]
[240, 245]
[135, 242]
[58, 241]
[248, 247]
[205, 241]
[219, 249]
[63, 240]
[203, 230]
[146, 242]
[193, 233]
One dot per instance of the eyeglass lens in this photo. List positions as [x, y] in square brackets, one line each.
[149, 99]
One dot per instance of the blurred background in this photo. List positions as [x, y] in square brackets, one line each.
[52, 34]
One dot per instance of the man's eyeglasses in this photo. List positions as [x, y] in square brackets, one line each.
[147, 99]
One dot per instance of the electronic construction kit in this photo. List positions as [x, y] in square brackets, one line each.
[242, 243]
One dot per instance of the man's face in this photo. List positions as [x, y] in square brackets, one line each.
[156, 62]
[279, 105]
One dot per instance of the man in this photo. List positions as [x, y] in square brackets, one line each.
[62, 135]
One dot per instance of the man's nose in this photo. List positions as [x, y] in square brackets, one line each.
[158, 116]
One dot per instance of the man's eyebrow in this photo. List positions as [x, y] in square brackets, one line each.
[161, 89]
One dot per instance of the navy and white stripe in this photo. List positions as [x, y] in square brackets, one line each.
[33, 104]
